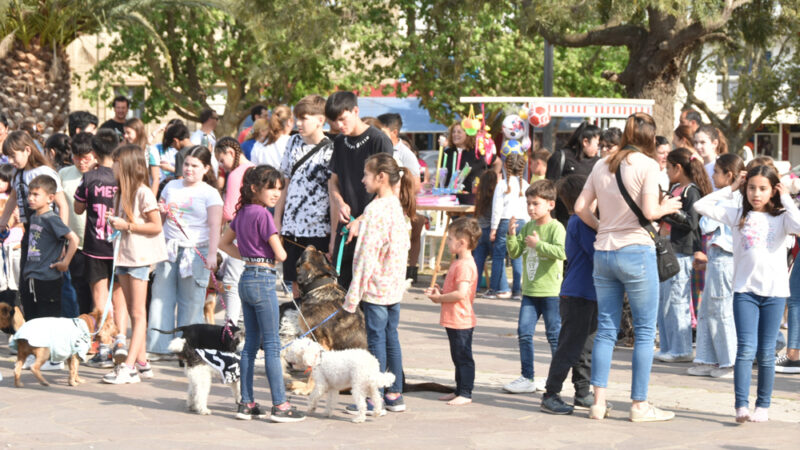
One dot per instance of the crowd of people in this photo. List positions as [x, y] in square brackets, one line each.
[108, 214]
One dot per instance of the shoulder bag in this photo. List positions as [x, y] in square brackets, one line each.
[308, 155]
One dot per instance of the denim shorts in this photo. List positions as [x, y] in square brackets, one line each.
[140, 273]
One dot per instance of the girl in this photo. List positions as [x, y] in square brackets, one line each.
[258, 245]
[710, 143]
[760, 279]
[716, 332]
[30, 163]
[682, 137]
[579, 156]
[483, 212]
[378, 268]
[58, 152]
[280, 125]
[192, 214]
[508, 201]
[689, 183]
[141, 244]
[135, 134]
[230, 157]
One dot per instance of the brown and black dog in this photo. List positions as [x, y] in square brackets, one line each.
[10, 318]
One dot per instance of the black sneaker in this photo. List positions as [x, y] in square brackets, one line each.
[248, 412]
[583, 402]
[552, 404]
[288, 415]
[396, 405]
[785, 365]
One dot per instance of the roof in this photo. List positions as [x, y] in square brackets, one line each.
[415, 117]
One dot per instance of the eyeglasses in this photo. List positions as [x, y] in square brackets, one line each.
[215, 117]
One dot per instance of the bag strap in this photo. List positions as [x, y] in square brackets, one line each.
[646, 224]
[308, 155]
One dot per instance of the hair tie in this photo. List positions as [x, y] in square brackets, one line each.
[693, 157]
[400, 172]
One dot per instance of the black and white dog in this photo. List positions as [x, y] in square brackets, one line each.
[207, 350]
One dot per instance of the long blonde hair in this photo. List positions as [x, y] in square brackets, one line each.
[131, 174]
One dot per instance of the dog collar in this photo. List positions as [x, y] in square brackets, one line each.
[316, 284]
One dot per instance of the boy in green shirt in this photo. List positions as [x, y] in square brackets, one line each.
[541, 244]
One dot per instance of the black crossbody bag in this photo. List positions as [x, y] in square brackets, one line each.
[666, 260]
[308, 155]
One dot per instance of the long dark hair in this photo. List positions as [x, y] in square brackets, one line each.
[730, 163]
[692, 166]
[204, 155]
[774, 206]
[384, 163]
[483, 198]
[255, 179]
[584, 131]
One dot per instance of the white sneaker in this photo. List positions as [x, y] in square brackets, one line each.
[52, 366]
[701, 370]
[122, 375]
[724, 373]
[28, 362]
[521, 385]
[539, 384]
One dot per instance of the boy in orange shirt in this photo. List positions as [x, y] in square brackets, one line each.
[456, 299]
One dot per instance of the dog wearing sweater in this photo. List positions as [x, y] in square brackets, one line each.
[333, 371]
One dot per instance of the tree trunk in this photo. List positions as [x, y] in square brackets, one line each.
[35, 85]
[663, 91]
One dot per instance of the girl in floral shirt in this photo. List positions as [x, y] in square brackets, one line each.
[379, 267]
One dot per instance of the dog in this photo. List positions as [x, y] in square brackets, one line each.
[218, 345]
[11, 318]
[333, 371]
[68, 339]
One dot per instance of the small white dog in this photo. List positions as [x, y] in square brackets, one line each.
[333, 371]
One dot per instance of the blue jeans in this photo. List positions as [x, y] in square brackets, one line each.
[758, 320]
[716, 331]
[631, 269]
[381, 322]
[530, 310]
[69, 298]
[461, 353]
[481, 252]
[261, 324]
[674, 312]
[171, 291]
[499, 282]
[793, 302]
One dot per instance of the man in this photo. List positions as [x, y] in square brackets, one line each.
[691, 118]
[81, 122]
[205, 135]
[393, 122]
[121, 106]
[258, 112]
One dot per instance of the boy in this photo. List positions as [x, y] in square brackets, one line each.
[45, 243]
[302, 212]
[356, 142]
[95, 196]
[456, 298]
[539, 164]
[541, 244]
[578, 307]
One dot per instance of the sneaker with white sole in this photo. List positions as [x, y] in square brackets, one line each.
[521, 385]
[722, 372]
[49, 365]
[394, 405]
[503, 295]
[102, 359]
[120, 350]
[290, 414]
[785, 365]
[28, 362]
[145, 370]
[122, 375]
[701, 370]
[667, 358]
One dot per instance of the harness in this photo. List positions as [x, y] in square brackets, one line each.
[316, 284]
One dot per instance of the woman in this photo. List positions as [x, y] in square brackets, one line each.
[459, 142]
[578, 157]
[280, 125]
[135, 134]
[625, 260]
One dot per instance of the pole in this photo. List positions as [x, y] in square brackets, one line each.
[547, 135]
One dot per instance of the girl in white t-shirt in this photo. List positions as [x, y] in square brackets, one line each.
[141, 243]
[508, 201]
[192, 213]
[759, 226]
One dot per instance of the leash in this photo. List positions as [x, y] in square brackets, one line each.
[217, 286]
[311, 330]
[114, 239]
[345, 231]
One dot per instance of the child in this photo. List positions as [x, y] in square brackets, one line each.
[690, 182]
[95, 196]
[43, 267]
[30, 163]
[456, 298]
[259, 245]
[134, 133]
[578, 308]
[508, 202]
[379, 268]
[539, 164]
[716, 332]
[710, 143]
[9, 266]
[141, 244]
[541, 244]
[483, 212]
[760, 279]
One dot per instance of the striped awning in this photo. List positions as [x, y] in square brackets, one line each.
[612, 108]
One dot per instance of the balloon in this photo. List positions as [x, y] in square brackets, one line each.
[513, 127]
[539, 116]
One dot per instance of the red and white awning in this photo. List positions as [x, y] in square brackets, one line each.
[612, 108]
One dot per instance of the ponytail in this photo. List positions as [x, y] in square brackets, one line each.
[692, 166]
[385, 163]
[280, 117]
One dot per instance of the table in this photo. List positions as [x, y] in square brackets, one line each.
[452, 212]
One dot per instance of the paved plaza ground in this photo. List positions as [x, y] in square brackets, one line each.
[152, 414]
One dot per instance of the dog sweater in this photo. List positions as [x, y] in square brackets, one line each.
[64, 337]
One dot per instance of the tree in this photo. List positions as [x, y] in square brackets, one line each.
[187, 54]
[758, 70]
[657, 34]
[448, 49]
[34, 68]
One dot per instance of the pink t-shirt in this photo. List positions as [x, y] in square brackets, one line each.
[460, 315]
[619, 226]
[233, 188]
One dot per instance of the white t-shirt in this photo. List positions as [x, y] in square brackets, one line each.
[211, 142]
[190, 206]
[270, 154]
[759, 250]
[405, 158]
[71, 178]
[511, 204]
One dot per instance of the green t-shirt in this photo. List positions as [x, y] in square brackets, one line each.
[542, 267]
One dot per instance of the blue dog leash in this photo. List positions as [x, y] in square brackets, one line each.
[311, 330]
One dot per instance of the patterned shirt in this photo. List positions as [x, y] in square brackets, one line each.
[307, 209]
[379, 264]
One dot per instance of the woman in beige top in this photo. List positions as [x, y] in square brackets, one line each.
[625, 260]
